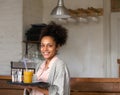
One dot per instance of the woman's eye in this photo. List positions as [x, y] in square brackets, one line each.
[50, 45]
[41, 45]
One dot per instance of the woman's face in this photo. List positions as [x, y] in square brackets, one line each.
[48, 47]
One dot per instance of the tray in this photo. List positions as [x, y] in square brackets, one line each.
[44, 85]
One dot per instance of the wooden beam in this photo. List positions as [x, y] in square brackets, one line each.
[5, 77]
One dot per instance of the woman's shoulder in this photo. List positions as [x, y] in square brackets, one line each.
[61, 65]
[59, 62]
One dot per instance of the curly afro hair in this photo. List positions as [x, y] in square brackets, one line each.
[57, 32]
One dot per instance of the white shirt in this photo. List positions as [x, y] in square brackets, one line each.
[42, 74]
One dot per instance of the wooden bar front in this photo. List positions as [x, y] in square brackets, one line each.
[79, 86]
[7, 89]
[95, 86]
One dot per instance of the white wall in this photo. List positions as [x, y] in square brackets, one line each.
[32, 12]
[10, 33]
[115, 43]
[14, 14]
[85, 48]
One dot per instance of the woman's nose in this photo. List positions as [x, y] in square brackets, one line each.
[45, 48]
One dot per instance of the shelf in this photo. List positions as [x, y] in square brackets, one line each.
[34, 42]
[30, 42]
[80, 12]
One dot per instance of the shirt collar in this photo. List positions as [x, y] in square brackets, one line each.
[50, 64]
[52, 61]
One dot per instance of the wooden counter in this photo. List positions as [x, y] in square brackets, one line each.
[7, 89]
[92, 80]
[79, 86]
[95, 86]
[5, 77]
[8, 77]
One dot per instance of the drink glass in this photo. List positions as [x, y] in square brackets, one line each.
[27, 76]
[14, 75]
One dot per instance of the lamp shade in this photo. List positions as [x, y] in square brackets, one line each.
[60, 11]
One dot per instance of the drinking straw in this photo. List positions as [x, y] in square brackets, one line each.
[25, 63]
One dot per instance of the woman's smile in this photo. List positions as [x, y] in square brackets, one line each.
[48, 47]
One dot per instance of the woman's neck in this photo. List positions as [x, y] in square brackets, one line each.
[47, 62]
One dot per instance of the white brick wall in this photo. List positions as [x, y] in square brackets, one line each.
[14, 14]
[10, 33]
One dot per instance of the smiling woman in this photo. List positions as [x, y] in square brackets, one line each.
[53, 70]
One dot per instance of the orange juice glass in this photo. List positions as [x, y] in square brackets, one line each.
[27, 76]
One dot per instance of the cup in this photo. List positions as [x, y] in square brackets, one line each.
[19, 75]
[27, 76]
[14, 75]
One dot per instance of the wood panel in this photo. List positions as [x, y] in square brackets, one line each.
[7, 89]
[95, 86]
[10, 92]
[79, 86]
[92, 93]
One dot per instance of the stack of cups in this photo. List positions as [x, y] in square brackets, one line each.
[16, 75]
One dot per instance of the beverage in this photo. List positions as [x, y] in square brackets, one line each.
[27, 76]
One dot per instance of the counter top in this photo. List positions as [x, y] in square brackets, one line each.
[77, 79]
[6, 77]
[93, 80]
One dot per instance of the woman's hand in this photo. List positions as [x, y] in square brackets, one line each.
[45, 91]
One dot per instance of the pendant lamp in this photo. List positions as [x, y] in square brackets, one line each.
[60, 11]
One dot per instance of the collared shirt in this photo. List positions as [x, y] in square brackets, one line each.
[42, 74]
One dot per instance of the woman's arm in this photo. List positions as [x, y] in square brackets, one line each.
[60, 82]
[45, 91]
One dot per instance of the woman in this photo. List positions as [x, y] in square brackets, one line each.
[53, 70]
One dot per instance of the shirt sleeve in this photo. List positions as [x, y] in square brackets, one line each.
[61, 81]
